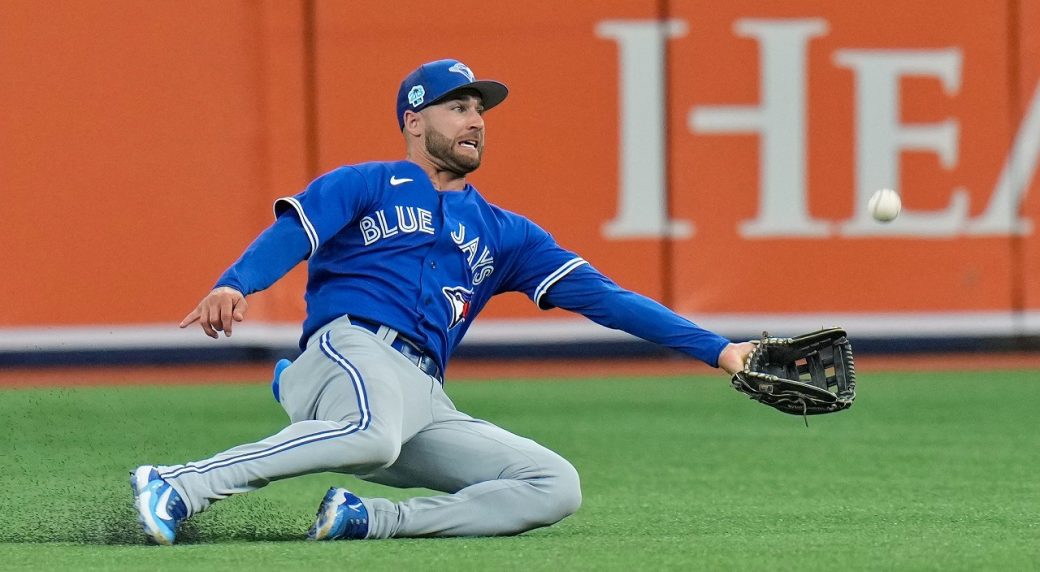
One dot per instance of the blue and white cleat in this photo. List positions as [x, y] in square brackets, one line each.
[159, 508]
[341, 515]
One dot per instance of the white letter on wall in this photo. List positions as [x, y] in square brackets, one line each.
[780, 119]
[1001, 216]
[642, 202]
[881, 138]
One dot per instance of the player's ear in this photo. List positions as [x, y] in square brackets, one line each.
[412, 123]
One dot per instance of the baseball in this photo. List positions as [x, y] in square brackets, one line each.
[884, 205]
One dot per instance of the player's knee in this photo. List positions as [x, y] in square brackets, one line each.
[383, 444]
[386, 453]
[382, 452]
[561, 491]
[566, 490]
[368, 451]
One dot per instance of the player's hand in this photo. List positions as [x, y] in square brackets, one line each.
[733, 356]
[218, 311]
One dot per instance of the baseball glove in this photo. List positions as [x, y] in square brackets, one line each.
[806, 375]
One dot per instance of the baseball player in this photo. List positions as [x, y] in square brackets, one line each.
[402, 256]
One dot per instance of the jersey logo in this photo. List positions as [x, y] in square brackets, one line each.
[481, 266]
[385, 223]
[462, 69]
[394, 181]
[160, 508]
[416, 95]
[459, 299]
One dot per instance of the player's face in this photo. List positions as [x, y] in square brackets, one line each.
[454, 133]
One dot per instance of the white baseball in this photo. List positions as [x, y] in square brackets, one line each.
[884, 205]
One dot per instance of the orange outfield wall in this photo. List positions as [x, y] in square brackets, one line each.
[937, 66]
[1026, 86]
[142, 144]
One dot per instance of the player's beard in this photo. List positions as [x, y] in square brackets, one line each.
[442, 149]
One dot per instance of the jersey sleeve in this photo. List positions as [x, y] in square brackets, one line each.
[329, 203]
[539, 263]
[593, 295]
[274, 253]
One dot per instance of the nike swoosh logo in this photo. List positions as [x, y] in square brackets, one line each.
[394, 181]
[160, 509]
[355, 506]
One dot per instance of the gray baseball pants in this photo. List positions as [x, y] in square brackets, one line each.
[357, 406]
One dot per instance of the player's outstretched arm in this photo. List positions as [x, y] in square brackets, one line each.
[586, 291]
[274, 253]
[218, 311]
[733, 356]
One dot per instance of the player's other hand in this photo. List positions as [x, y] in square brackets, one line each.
[218, 311]
[733, 356]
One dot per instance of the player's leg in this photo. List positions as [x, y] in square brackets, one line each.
[351, 399]
[498, 483]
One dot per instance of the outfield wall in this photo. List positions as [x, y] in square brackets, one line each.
[715, 156]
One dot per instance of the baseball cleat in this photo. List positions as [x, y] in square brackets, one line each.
[341, 515]
[159, 507]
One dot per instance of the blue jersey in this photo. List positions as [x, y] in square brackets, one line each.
[386, 246]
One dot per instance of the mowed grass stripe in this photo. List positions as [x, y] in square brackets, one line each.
[926, 471]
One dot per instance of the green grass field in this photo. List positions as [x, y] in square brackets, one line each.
[927, 472]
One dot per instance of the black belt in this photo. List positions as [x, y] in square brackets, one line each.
[406, 347]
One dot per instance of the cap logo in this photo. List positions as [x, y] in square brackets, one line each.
[461, 68]
[416, 95]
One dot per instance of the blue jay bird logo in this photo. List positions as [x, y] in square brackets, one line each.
[459, 299]
[463, 69]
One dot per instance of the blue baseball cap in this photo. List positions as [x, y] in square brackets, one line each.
[433, 82]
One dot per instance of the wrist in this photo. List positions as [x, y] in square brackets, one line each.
[220, 288]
